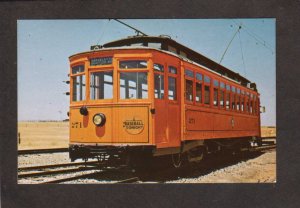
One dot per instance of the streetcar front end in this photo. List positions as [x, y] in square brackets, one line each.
[110, 105]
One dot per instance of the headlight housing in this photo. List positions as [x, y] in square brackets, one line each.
[99, 119]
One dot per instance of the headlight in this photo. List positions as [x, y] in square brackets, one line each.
[99, 119]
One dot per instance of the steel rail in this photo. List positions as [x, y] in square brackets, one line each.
[55, 165]
[129, 180]
[81, 176]
[53, 172]
[42, 151]
[72, 178]
[269, 137]
[264, 147]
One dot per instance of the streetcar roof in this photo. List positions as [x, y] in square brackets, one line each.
[192, 55]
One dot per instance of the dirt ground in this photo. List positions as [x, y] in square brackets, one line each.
[261, 169]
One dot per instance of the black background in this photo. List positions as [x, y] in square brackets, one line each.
[284, 193]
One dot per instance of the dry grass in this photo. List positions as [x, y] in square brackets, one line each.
[40, 135]
[268, 131]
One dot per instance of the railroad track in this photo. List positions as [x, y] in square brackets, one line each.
[40, 172]
[89, 166]
[263, 147]
[93, 175]
[56, 166]
[129, 180]
[42, 151]
[87, 175]
[38, 175]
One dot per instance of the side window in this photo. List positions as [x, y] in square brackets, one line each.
[206, 90]
[227, 96]
[198, 97]
[238, 93]
[254, 105]
[172, 70]
[172, 88]
[251, 103]
[172, 84]
[222, 94]
[78, 79]
[189, 77]
[158, 67]
[159, 84]
[198, 92]
[247, 102]
[233, 107]
[242, 101]
[188, 90]
[216, 90]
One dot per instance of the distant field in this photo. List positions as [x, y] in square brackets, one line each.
[268, 131]
[40, 135]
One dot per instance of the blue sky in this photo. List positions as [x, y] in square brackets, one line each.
[45, 45]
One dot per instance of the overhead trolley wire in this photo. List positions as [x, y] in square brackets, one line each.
[257, 38]
[262, 43]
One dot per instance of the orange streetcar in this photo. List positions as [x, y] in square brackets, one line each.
[143, 97]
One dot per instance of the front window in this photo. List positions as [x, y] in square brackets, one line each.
[101, 85]
[133, 85]
[77, 69]
[78, 80]
[133, 64]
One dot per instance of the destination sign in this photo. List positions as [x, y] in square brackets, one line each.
[101, 61]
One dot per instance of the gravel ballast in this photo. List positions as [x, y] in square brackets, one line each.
[261, 169]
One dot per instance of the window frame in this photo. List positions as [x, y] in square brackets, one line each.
[218, 92]
[119, 70]
[224, 94]
[169, 74]
[101, 69]
[227, 94]
[72, 76]
[238, 99]
[197, 81]
[209, 84]
[162, 73]
[233, 98]
[186, 77]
